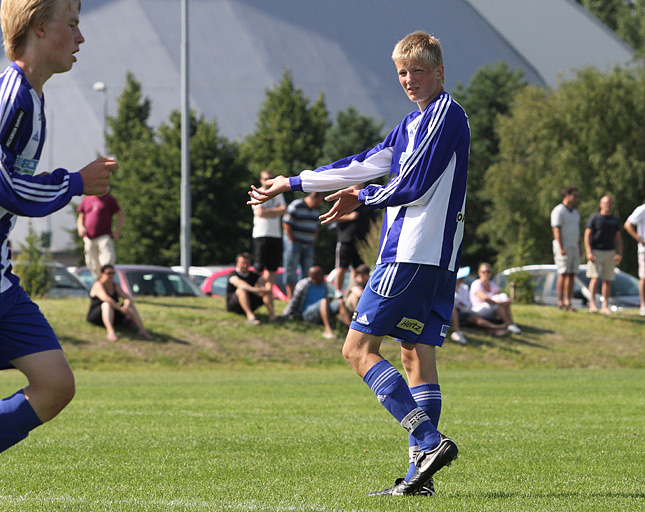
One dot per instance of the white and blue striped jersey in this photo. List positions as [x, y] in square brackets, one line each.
[22, 135]
[426, 157]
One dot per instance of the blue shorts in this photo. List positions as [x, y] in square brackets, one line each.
[24, 329]
[408, 301]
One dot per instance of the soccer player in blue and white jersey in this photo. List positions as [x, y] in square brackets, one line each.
[410, 295]
[40, 38]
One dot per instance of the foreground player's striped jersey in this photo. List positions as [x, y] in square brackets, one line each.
[426, 157]
[22, 135]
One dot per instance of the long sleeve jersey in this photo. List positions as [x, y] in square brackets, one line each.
[426, 158]
[22, 135]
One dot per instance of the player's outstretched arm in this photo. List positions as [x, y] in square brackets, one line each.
[346, 202]
[96, 176]
[274, 187]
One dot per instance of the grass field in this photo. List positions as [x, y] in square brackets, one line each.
[217, 415]
[565, 440]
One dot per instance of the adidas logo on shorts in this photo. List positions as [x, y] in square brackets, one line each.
[363, 320]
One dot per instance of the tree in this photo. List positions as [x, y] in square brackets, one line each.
[147, 186]
[625, 17]
[489, 94]
[587, 134]
[32, 264]
[289, 133]
[220, 218]
[351, 134]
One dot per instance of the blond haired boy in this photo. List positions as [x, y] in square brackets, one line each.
[410, 294]
[41, 38]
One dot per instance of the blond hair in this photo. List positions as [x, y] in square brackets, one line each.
[18, 16]
[419, 46]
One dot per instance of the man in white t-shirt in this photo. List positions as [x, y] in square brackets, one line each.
[635, 226]
[567, 249]
[267, 234]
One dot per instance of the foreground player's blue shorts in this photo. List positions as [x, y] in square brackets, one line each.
[24, 329]
[408, 301]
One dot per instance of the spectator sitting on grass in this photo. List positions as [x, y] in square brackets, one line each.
[245, 291]
[462, 312]
[488, 302]
[105, 309]
[310, 302]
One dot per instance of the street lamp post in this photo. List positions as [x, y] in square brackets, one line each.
[102, 88]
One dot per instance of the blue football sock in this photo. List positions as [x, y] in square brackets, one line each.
[392, 391]
[428, 397]
[17, 419]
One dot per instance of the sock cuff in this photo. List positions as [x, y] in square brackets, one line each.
[22, 413]
[426, 393]
[381, 375]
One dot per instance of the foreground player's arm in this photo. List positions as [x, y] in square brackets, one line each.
[40, 195]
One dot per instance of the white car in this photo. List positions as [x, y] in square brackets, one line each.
[624, 289]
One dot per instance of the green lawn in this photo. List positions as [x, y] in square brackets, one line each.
[218, 415]
[198, 333]
[317, 439]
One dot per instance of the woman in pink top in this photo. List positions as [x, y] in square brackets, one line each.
[488, 302]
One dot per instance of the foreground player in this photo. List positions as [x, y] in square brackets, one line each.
[40, 38]
[411, 292]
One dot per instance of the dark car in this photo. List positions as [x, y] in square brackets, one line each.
[63, 283]
[624, 289]
[153, 280]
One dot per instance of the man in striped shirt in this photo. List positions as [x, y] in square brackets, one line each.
[40, 38]
[410, 294]
[299, 230]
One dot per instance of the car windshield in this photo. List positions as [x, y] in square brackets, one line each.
[160, 283]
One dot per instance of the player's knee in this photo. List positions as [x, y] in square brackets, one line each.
[348, 353]
[352, 354]
[62, 392]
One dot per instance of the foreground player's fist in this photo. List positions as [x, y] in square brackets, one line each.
[96, 176]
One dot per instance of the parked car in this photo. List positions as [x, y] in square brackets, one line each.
[149, 280]
[63, 282]
[199, 274]
[624, 290]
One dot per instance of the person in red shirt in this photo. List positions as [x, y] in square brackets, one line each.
[94, 225]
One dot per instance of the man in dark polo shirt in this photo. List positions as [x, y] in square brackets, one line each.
[604, 246]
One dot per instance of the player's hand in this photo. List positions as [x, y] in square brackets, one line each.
[96, 176]
[273, 187]
[346, 202]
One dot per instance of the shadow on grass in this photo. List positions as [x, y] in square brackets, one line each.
[157, 339]
[508, 342]
[172, 305]
[74, 341]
